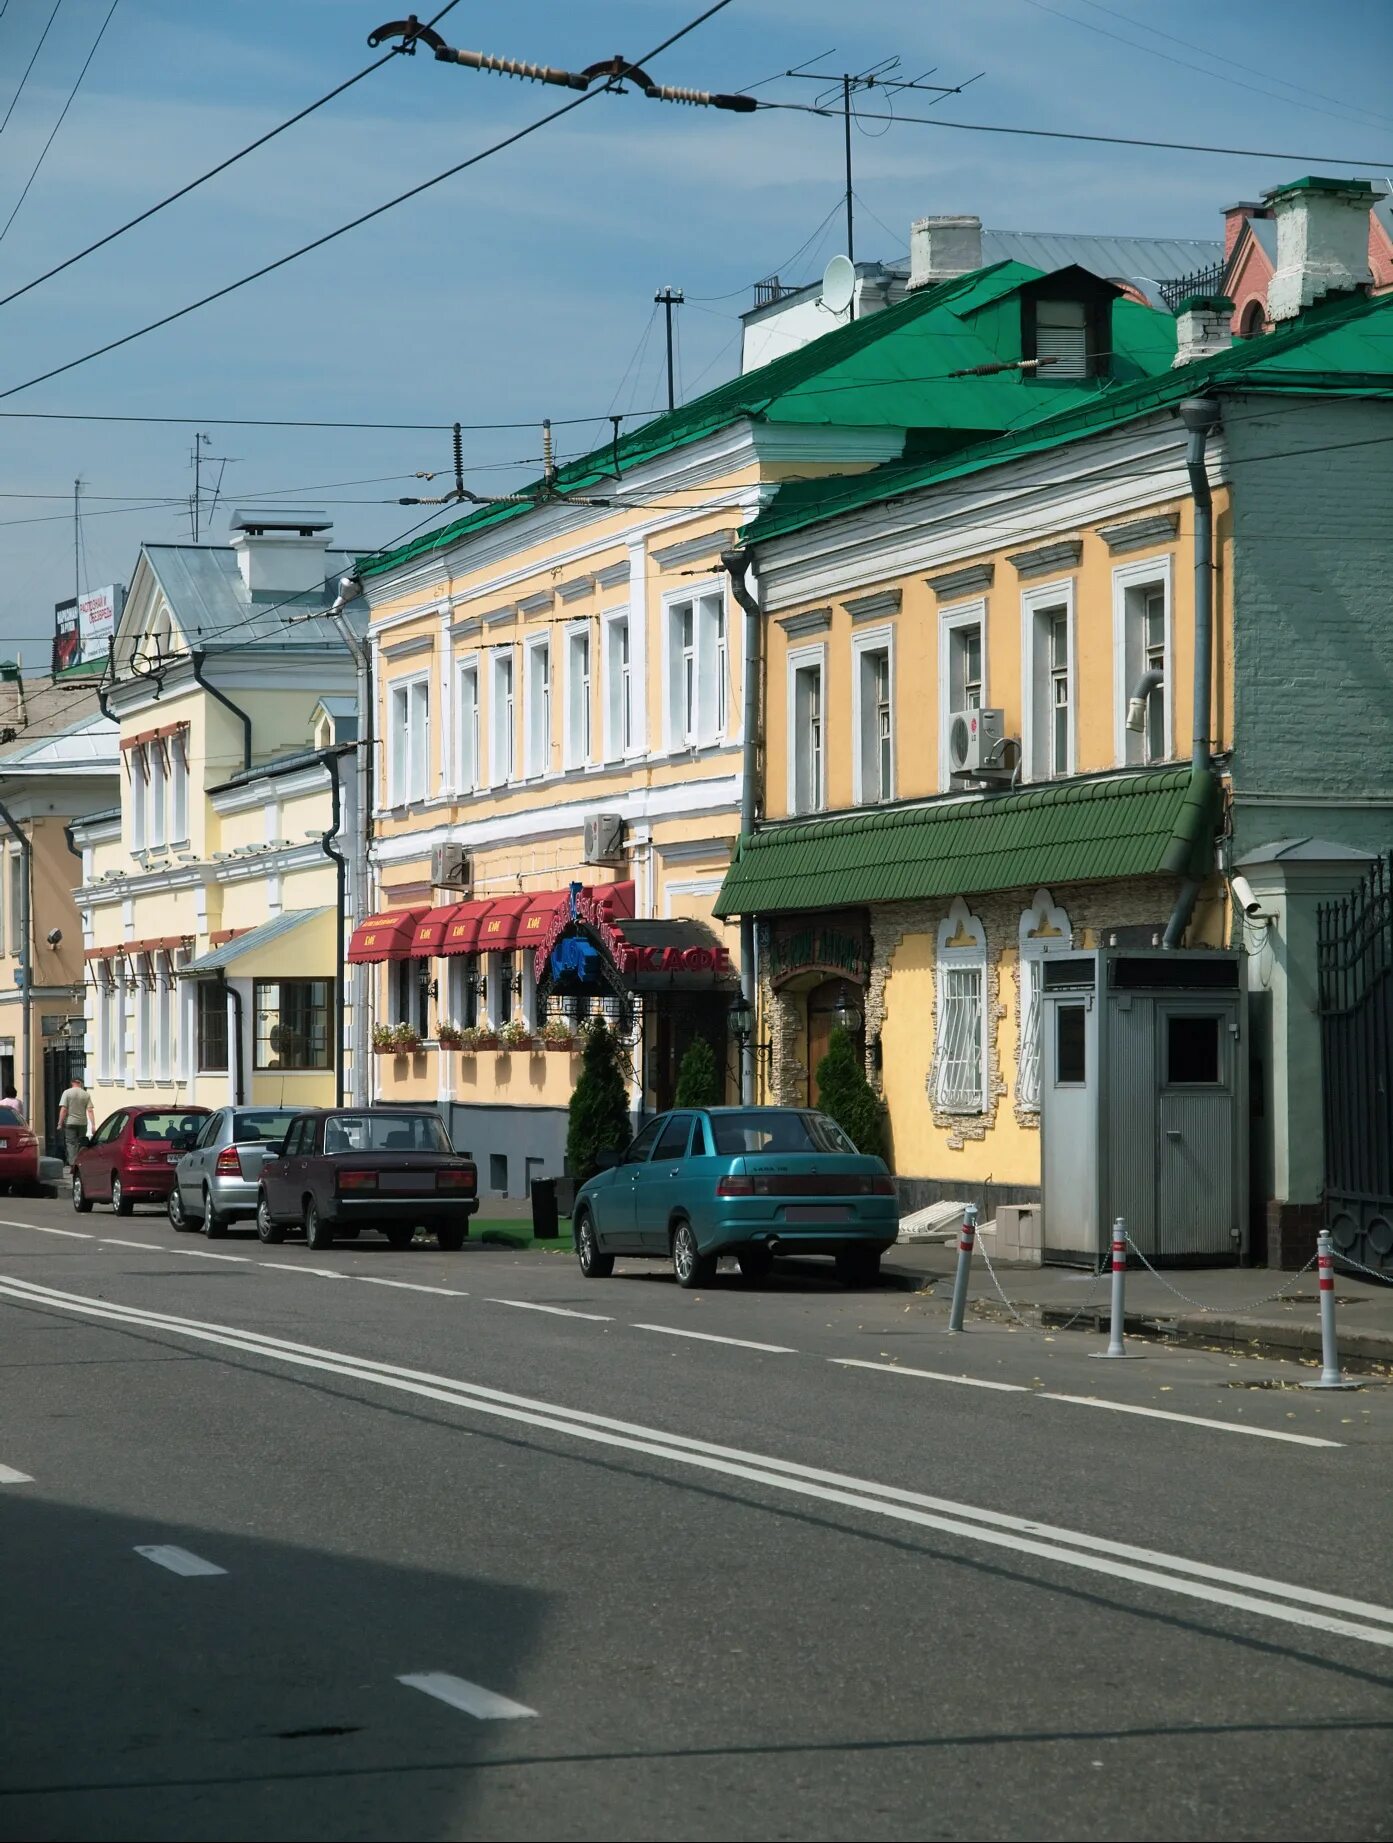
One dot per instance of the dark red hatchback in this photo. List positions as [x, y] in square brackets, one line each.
[128, 1159]
[367, 1168]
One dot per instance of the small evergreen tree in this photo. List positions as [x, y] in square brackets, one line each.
[698, 1084]
[845, 1096]
[599, 1109]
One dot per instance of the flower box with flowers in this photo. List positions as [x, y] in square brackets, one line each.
[395, 1039]
[478, 1036]
[515, 1035]
[558, 1035]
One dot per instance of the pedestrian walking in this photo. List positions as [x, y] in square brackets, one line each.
[10, 1100]
[76, 1119]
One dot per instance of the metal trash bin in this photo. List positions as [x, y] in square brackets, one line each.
[544, 1213]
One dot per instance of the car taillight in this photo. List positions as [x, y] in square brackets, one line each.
[882, 1186]
[147, 1154]
[229, 1164]
[456, 1177]
[729, 1186]
[357, 1180]
[24, 1139]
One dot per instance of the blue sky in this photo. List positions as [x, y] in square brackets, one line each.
[523, 288]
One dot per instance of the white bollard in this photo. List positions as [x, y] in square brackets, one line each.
[1330, 1377]
[966, 1237]
[1119, 1281]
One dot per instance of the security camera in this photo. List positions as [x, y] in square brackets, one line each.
[1244, 897]
[53, 936]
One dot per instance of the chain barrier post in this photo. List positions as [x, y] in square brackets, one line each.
[967, 1235]
[1330, 1377]
[1119, 1283]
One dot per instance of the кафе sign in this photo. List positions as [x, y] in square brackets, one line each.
[836, 945]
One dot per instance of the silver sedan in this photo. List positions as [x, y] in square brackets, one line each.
[216, 1175]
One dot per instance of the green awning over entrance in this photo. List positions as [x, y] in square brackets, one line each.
[1126, 825]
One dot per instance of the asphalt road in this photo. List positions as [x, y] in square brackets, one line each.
[405, 1544]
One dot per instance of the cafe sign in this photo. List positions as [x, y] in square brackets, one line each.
[837, 946]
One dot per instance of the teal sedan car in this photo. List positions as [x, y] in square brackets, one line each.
[754, 1182]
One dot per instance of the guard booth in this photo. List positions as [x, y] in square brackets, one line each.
[1143, 1105]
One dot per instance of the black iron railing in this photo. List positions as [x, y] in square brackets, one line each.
[1199, 281]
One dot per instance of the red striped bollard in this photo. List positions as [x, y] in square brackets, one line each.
[1119, 1282]
[1330, 1377]
[967, 1236]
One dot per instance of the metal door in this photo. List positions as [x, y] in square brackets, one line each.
[1197, 1044]
[1069, 1105]
[61, 1062]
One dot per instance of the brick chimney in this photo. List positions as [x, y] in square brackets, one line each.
[1234, 216]
[1203, 324]
[1322, 242]
[942, 247]
[281, 550]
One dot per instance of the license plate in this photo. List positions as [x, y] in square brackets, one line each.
[817, 1212]
[172, 1158]
[407, 1180]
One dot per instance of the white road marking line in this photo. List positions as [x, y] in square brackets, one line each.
[178, 1561]
[410, 1286]
[710, 1337]
[9, 1222]
[482, 1704]
[324, 1273]
[206, 1254]
[932, 1375]
[116, 1241]
[1289, 1603]
[1190, 1420]
[9, 1476]
[557, 1311]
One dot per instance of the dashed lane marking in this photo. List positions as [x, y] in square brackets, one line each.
[710, 1337]
[9, 1476]
[557, 1311]
[9, 1222]
[410, 1286]
[178, 1561]
[483, 1704]
[932, 1375]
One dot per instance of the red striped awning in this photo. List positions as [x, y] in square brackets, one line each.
[384, 937]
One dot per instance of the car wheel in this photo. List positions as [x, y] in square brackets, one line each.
[755, 1263]
[318, 1234]
[178, 1215]
[269, 1232]
[82, 1203]
[400, 1234]
[691, 1266]
[214, 1225]
[451, 1237]
[594, 1263]
[121, 1204]
[859, 1266]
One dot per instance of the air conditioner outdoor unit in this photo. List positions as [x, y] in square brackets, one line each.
[451, 868]
[604, 839]
[977, 743]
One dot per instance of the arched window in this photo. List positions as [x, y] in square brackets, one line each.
[960, 1026]
[1043, 929]
[1252, 321]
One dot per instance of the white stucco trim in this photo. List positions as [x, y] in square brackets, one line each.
[872, 640]
[1141, 573]
[950, 619]
[1035, 600]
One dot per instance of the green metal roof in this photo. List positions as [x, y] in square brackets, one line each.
[889, 370]
[1140, 824]
[1341, 347]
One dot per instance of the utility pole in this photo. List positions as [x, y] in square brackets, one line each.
[199, 443]
[668, 298]
[846, 133]
[77, 541]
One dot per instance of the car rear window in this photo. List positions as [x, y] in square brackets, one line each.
[165, 1125]
[777, 1129]
[365, 1132]
[249, 1128]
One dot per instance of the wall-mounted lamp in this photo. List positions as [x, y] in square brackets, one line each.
[846, 1013]
[740, 1021]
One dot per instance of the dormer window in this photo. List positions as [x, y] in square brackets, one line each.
[1061, 336]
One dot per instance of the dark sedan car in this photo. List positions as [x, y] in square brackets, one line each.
[127, 1160]
[367, 1168]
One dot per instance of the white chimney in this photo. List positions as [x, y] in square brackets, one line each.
[281, 550]
[942, 247]
[1203, 324]
[1322, 242]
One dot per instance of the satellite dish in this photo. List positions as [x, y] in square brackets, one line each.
[838, 284]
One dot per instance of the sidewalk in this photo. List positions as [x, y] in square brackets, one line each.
[1285, 1327]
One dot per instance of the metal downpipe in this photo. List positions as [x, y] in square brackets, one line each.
[1200, 416]
[196, 663]
[26, 964]
[737, 564]
[330, 759]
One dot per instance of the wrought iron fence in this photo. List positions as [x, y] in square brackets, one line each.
[1354, 951]
[1199, 281]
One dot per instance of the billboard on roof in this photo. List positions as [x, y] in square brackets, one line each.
[84, 625]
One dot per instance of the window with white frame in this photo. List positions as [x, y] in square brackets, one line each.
[1050, 694]
[806, 737]
[467, 721]
[1044, 929]
[960, 1033]
[137, 765]
[620, 689]
[179, 787]
[537, 756]
[872, 716]
[164, 1017]
[502, 719]
[698, 670]
[409, 739]
[144, 994]
[1142, 643]
[155, 787]
[462, 990]
[106, 1020]
[576, 740]
[17, 918]
[962, 685]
